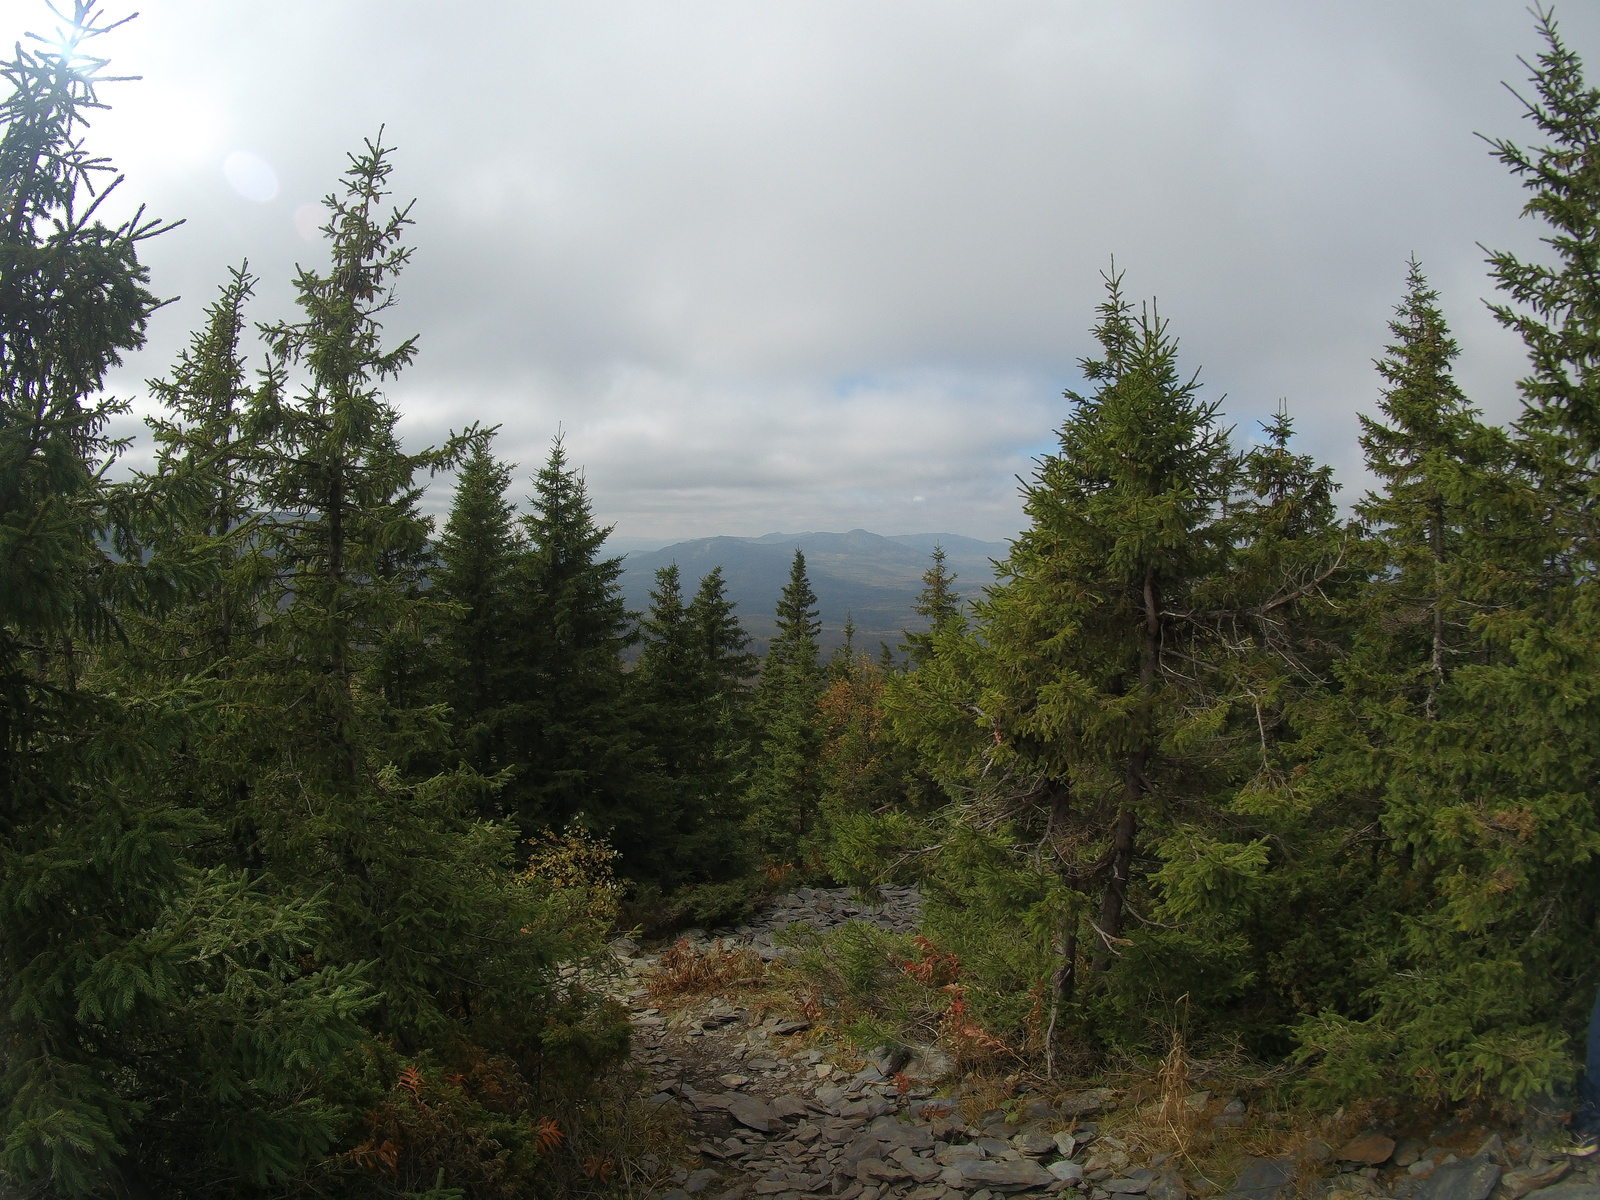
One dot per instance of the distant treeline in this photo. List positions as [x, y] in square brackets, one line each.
[305, 805]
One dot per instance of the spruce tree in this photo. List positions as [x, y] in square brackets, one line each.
[685, 715]
[1434, 458]
[160, 1027]
[1491, 746]
[1124, 522]
[721, 637]
[342, 788]
[785, 786]
[476, 552]
[566, 723]
[938, 604]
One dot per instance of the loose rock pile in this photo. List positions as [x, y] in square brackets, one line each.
[771, 1118]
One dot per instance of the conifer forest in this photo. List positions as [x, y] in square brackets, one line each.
[350, 852]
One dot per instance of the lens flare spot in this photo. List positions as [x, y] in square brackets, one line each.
[250, 175]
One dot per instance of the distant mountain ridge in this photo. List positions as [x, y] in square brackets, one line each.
[868, 577]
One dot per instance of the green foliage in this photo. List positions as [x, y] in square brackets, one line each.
[785, 785]
[477, 552]
[690, 703]
[939, 604]
[565, 716]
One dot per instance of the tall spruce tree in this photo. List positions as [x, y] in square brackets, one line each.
[722, 638]
[1491, 967]
[159, 1027]
[418, 891]
[686, 715]
[1124, 523]
[566, 724]
[785, 785]
[477, 552]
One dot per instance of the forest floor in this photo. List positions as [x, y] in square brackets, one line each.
[773, 1105]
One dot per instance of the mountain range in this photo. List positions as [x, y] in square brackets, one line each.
[867, 578]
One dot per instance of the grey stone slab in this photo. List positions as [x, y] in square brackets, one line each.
[1263, 1179]
[748, 1111]
[1465, 1179]
[1568, 1189]
[1004, 1174]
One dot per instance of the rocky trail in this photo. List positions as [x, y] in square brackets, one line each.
[774, 1112]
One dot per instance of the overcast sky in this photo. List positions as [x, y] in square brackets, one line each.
[830, 263]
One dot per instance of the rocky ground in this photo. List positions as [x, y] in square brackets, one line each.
[773, 1116]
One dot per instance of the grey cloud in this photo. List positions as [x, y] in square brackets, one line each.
[793, 265]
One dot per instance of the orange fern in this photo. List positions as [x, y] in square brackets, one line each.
[546, 1135]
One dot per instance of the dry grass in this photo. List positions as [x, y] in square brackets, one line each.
[1165, 1113]
[685, 971]
[617, 1147]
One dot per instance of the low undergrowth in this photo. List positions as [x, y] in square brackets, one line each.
[685, 971]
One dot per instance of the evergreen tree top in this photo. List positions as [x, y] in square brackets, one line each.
[1556, 308]
[1143, 462]
[1430, 423]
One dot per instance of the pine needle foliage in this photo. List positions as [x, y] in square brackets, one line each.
[160, 1029]
[785, 784]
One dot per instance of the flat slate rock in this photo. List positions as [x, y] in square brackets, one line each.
[1518, 1183]
[1263, 1179]
[1568, 1189]
[1465, 1179]
[748, 1111]
[1369, 1149]
[896, 1133]
[788, 1107]
[1006, 1175]
[1085, 1104]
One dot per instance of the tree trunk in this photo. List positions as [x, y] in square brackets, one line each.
[1063, 980]
[1134, 782]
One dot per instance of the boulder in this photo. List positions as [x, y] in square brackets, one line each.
[748, 1111]
[1264, 1179]
[874, 1170]
[1369, 1149]
[1168, 1185]
[1533, 1178]
[1034, 1145]
[788, 1107]
[1465, 1179]
[1085, 1104]
[896, 1133]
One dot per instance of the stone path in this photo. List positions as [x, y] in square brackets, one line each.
[773, 1117]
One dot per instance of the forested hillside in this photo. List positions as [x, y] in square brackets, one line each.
[864, 580]
[316, 814]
